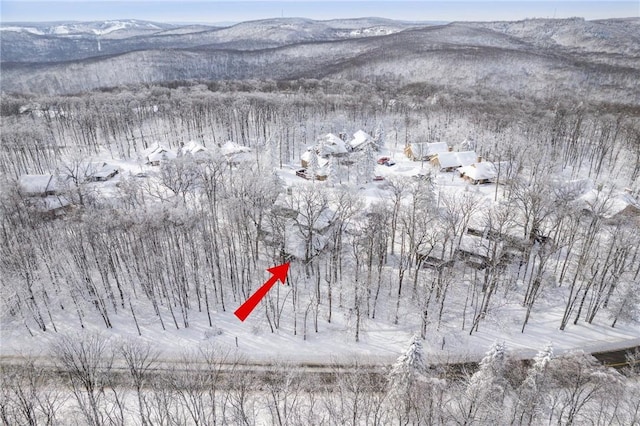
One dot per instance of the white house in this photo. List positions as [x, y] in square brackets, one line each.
[193, 148]
[155, 155]
[331, 144]
[482, 172]
[235, 153]
[360, 140]
[100, 171]
[425, 151]
[449, 161]
[39, 185]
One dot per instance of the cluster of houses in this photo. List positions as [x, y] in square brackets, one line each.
[46, 193]
[232, 152]
[330, 145]
[468, 164]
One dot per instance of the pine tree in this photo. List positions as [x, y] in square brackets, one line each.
[333, 171]
[409, 367]
[313, 166]
[534, 387]
[366, 165]
[413, 390]
[488, 386]
[379, 137]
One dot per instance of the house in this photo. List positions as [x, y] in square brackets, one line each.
[40, 185]
[360, 140]
[155, 155]
[306, 158]
[449, 161]
[100, 172]
[236, 154]
[321, 174]
[425, 151]
[614, 207]
[331, 145]
[193, 148]
[50, 207]
[42, 194]
[479, 173]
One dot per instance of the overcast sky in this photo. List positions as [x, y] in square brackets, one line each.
[211, 11]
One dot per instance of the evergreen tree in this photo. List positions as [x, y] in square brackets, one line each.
[366, 165]
[488, 386]
[533, 388]
[379, 137]
[413, 391]
[313, 166]
[333, 171]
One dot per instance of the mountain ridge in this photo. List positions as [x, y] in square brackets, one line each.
[503, 57]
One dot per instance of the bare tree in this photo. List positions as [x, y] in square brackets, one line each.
[86, 360]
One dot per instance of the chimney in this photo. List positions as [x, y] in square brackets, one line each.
[450, 149]
[479, 160]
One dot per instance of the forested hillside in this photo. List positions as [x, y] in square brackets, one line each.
[456, 186]
[192, 234]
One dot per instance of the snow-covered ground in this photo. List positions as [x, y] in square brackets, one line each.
[380, 340]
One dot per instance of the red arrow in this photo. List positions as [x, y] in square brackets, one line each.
[279, 273]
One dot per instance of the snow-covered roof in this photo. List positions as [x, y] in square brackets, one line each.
[428, 149]
[467, 158]
[236, 153]
[51, 203]
[193, 147]
[161, 154]
[360, 139]
[231, 148]
[479, 171]
[158, 153]
[39, 184]
[456, 159]
[614, 204]
[100, 170]
[331, 144]
[306, 156]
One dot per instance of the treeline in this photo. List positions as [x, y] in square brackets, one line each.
[98, 381]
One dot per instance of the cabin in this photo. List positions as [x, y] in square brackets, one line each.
[100, 172]
[43, 194]
[331, 145]
[50, 207]
[305, 159]
[360, 141]
[450, 161]
[320, 175]
[40, 185]
[193, 148]
[235, 153]
[479, 172]
[425, 151]
[155, 155]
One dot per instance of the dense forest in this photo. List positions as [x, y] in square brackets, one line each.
[559, 231]
[190, 237]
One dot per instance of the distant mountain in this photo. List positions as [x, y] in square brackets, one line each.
[54, 42]
[130, 27]
[531, 58]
